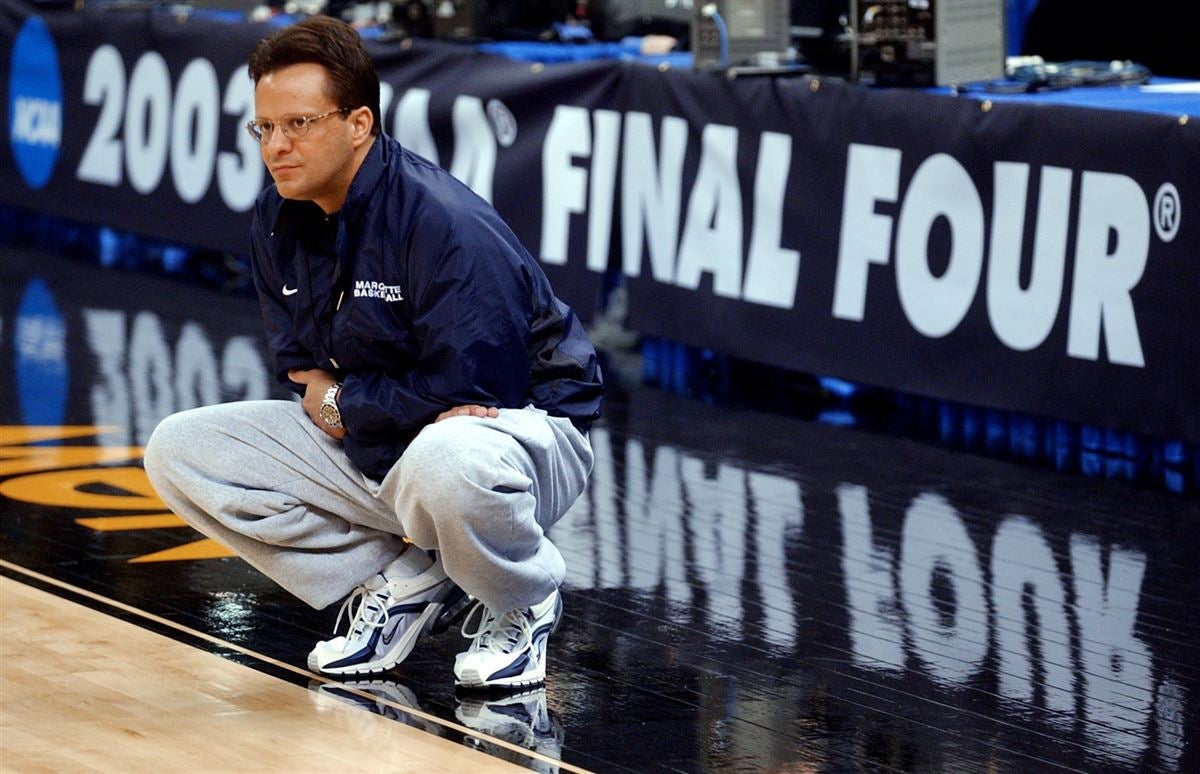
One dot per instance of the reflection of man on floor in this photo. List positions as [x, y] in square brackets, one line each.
[446, 392]
[521, 717]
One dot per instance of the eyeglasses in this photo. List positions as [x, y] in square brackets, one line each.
[293, 127]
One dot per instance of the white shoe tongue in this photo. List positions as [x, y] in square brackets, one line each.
[376, 582]
[409, 564]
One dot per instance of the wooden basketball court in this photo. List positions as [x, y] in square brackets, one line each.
[85, 691]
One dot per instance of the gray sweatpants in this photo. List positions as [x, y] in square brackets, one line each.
[259, 477]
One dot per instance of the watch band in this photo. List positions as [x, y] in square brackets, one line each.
[330, 414]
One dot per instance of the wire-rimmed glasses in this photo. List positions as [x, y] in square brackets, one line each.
[293, 127]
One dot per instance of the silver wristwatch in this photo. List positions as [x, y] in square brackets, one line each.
[329, 407]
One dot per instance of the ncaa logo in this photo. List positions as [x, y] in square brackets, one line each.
[35, 103]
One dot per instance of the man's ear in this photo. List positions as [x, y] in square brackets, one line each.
[361, 122]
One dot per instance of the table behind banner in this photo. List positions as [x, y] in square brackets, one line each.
[1031, 257]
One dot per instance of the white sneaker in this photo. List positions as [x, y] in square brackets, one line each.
[387, 615]
[507, 650]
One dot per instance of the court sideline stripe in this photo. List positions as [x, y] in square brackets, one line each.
[265, 659]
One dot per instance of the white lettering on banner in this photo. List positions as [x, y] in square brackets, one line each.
[651, 186]
[872, 174]
[147, 122]
[240, 175]
[40, 338]
[606, 138]
[568, 189]
[712, 238]
[651, 205]
[1166, 212]
[37, 121]
[772, 271]
[157, 129]
[712, 233]
[475, 134]
[475, 143]
[941, 188]
[1113, 209]
[1022, 318]
[137, 385]
[411, 127]
[193, 160]
[184, 131]
[504, 123]
[386, 93]
[564, 186]
[104, 85]
[474, 146]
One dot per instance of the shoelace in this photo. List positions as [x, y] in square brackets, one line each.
[371, 610]
[508, 633]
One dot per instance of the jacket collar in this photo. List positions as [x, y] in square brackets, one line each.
[295, 219]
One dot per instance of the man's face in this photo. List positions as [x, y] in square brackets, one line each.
[320, 165]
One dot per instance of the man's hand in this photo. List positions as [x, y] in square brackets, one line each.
[483, 412]
[316, 383]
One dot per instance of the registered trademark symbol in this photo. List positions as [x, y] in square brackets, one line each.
[1167, 212]
[503, 122]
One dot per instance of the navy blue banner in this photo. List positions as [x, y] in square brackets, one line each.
[1034, 258]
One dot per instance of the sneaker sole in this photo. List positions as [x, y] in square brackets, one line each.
[471, 679]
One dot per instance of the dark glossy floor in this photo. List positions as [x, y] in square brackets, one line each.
[746, 592]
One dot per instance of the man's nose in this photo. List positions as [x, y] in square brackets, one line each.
[277, 141]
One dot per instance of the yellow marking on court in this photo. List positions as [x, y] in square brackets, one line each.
[201, 549]
[16, 460]
[36, 475]
[62, 488]
[17, 457]
[16, 434]
[124, 523]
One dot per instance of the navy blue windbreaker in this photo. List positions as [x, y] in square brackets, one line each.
[418, 297]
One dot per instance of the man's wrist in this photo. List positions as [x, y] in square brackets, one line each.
[329, 411]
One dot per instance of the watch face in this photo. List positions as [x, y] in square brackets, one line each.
[331, 415]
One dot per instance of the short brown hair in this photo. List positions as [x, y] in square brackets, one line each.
[334, 45]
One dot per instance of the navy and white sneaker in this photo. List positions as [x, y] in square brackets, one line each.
[507, 650]
[523, 719]
[387, 615]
